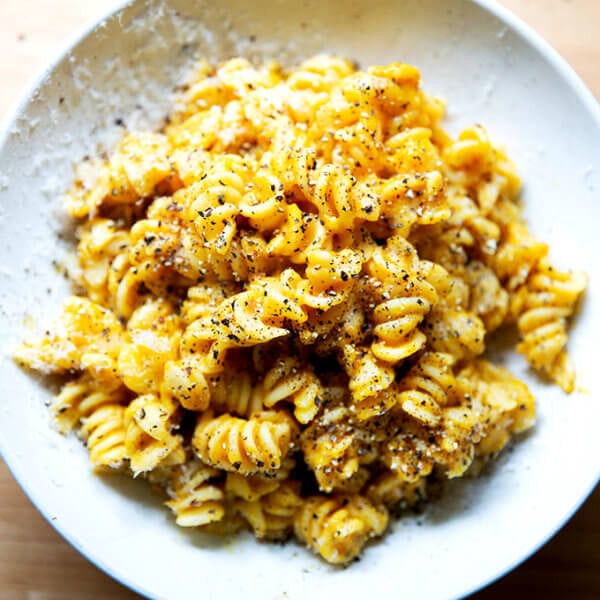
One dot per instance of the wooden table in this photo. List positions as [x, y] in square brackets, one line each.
[36, 563]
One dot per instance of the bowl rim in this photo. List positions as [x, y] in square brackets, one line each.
[570, 78]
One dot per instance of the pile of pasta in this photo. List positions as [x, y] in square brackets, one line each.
[284, 296]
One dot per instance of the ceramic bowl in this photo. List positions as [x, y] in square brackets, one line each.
[492, 70]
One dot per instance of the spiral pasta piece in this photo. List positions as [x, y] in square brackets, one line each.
[153, 333]
[370, 378]
[82, 328]
[257, 444]
[210, 205]
[101, 241]
[196, 499]
[299, 235]
[338, 527]
[184, 381]
[396, 319]
[139, 165]
[341, 199]
[460, 333]
[426, 387]
[290, 381]
[104, 434]
[411, 200]
[150, 438]
[416, 449]
[78, 399]
[469, 226]
[550, 301]
[264, 203]
[517, 255]
[329, 277]
[252, 317]
[440, 425]
[335, 448]
[272, 515]
[151, 255]
[506, 405]
[393, 319]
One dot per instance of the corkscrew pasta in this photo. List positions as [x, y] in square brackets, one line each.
[284, 297]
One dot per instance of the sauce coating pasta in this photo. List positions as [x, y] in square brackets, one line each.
[284, 299]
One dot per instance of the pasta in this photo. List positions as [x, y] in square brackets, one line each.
[283, 298]
[150, 437]
[272, 515]
[334, 449]
[549, 301]
[195, 499]
[255, 445]
[78, 399]
[338, 526]
[104, 434]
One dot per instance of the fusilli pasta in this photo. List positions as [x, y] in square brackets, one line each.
[282, 299]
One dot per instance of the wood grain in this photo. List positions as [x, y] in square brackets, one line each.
[37, 564]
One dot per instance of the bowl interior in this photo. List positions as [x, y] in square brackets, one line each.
[490, 72]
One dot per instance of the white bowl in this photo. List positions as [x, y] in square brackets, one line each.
[492, 70]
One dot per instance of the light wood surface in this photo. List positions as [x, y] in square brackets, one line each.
[36, 563]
